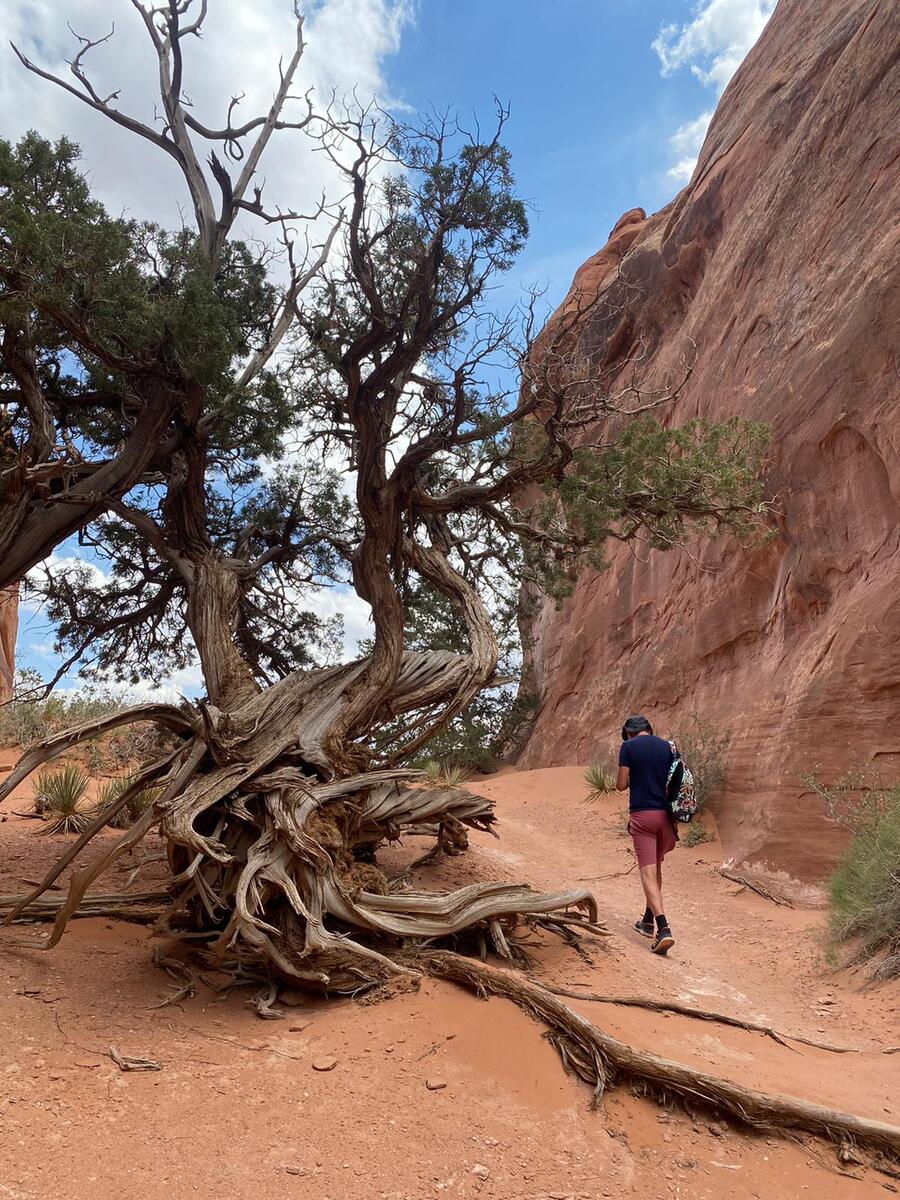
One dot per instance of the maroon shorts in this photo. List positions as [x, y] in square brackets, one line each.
[652, 834]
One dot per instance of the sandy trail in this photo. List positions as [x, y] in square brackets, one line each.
[239, 1109]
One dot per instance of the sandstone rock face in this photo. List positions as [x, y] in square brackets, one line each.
[780, 262]
[8, 626]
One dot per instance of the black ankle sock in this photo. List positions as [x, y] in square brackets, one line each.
[647, 918]
[661, 922]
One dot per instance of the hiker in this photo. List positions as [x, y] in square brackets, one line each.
[644, 762]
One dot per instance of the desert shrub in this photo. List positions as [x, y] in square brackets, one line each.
[599, 781]
[864, 891]
[695, 835]
[133, 810]
[30, 717]
[59, 796]
[445, 774]
[705, 749]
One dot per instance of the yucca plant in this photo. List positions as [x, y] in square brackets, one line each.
[59, 795]
[598, 780]
[133, 810]
[444, 775]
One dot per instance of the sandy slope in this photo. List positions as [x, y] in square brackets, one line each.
[239, 1111]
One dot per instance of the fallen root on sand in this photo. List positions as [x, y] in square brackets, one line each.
[600, 1060]
[700, 1014]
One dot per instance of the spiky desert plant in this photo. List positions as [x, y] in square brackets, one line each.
[598, 780]
[454, 776]
[59, 794]
[133, 810]
[444, 774]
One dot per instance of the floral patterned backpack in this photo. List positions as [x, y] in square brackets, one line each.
[680, 794]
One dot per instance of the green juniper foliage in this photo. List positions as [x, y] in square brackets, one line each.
[106, 305]
[651, 482]
[143, 293]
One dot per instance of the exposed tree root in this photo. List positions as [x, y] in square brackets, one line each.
[272, 848]
[600, 1060]
[760, 890]
[699, 1014]
[141, 907]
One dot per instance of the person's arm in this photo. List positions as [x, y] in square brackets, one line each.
[623, 775]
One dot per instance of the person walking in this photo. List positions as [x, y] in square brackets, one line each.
[644, 763]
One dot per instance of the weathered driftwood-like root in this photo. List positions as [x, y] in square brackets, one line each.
[273, 853]
[102, 819]
[600, 1060]
[759, 888]
[140, 907]
[699, 1014]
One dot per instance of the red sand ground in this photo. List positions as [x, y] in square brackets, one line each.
[238, 1111]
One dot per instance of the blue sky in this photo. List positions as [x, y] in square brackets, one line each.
[609, 102]
[591, 110]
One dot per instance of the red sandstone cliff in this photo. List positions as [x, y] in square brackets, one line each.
[8, 626]
[780, 260]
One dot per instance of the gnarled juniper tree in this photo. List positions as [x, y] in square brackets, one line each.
[147, 374]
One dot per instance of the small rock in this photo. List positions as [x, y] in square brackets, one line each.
[434, 1084]
[715, 1130]
[324, 1062]
[295, 1170]
[297, 1028]
[481, 1171]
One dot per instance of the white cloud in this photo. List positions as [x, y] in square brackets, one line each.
[685, 144]
[713, 44]
[329, 601]
[60, 564]
[716, 41]
[347, 42]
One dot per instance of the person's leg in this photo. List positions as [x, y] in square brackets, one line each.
[650, 876]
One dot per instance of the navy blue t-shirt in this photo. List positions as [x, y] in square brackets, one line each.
[648, 759]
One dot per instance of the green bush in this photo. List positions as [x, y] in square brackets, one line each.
[695, 835]
[705, 750]
[599, 781]
[865, 889]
